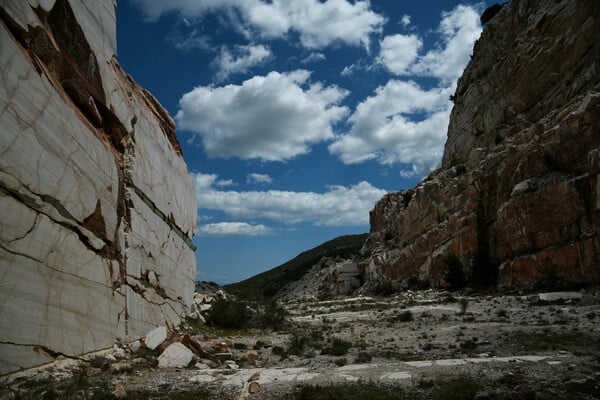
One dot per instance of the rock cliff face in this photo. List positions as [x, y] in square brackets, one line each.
[98, 210]
[517, 200]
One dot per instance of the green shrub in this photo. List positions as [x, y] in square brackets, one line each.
[279, 351]
[405, 316]
[271, 316]
[228, 314]
[363, 358]
[298, 342]
[464, 388]
[385, 287]
[340, 362]
[359, 391]
[339, 347]
[406, 198]
[414, 283]
[464, 303]
[460, 169]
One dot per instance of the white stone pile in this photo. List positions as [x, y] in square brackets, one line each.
[202, 304]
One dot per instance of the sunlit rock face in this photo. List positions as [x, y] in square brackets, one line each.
[98, 210]
[517, 199]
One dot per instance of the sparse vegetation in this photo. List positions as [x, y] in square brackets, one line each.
[464, 303]
[463, 388]
[363, 357]
[229, 314]
[407, 197]
[405, 316]
[339, 347]
[340, 362]
[359, 391]
[385, 287]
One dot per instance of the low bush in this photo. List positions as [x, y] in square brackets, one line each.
[363, 358]
[271, 316]
[359, 391]
[405, 316]
[229, 314]
[339, 347]
[464, 388]
[340, 362]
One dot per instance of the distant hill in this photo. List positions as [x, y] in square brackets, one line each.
[268, 283]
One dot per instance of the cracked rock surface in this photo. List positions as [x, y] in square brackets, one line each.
[98, 210]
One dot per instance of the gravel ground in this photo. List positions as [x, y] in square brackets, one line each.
[414, 345]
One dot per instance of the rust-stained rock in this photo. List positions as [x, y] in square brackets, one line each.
[254, 387]
[517, 199]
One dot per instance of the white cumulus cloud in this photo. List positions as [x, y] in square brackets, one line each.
[399, 52]
[239, 60]
[233, 229]
[338, 206]
[401, 123]
[258, 178]
[313, 58]
[273, 118]
[318, 23]
[405, 20]
[458, 30]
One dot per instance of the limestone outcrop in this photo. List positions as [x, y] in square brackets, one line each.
[98, 210]
[517, 200]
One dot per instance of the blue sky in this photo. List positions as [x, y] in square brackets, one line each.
[295, 117]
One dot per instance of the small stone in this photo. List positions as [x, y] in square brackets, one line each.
[556, 296]
[250, 355]
[253, 388]
[152, 278]
[135, 346]
[119, 367]
[120, 392]
[119, 352]
[232, 365]
[588, 300]
[155, 337]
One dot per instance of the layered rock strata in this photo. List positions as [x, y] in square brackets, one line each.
[517, 200]
[98, 210]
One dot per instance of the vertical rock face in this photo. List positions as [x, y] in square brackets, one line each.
[517, 199]
[98, 210]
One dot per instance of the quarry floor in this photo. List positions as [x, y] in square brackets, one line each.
[415, 345]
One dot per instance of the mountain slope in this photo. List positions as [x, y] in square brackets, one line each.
[268, 283]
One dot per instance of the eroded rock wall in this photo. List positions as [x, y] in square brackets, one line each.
[517, 198]
[98, 210]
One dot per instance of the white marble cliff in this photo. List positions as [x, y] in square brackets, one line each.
[97, 210]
